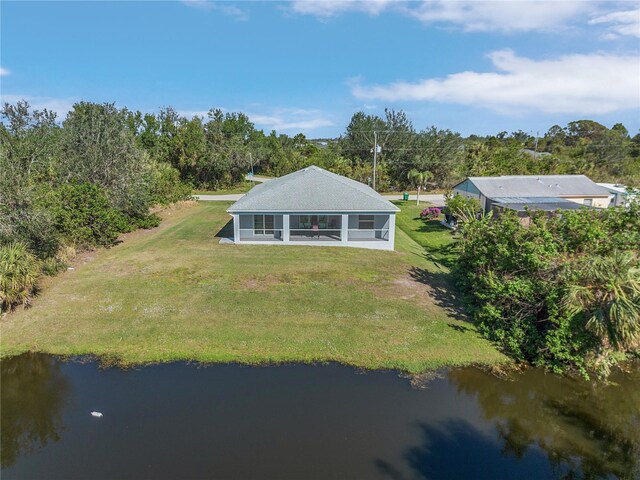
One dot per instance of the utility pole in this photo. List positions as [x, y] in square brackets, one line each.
[251, 163]
[375, 156]
[535, 149]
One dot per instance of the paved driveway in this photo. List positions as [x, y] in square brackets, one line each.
[232, 197]
[437, 200]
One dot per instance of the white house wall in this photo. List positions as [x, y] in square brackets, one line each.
[350, 221]
[597, 202]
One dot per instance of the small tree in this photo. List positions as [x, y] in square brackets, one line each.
[19, 271]
[419, 180]
[460, 207]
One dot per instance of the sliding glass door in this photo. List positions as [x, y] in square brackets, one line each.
[263, 225]
[316, 227]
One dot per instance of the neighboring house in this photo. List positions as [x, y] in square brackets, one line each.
[314, 207]
[540, 192]
[534, 154]
[619, 193]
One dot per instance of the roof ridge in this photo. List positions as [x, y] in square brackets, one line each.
[313, 188]
[373, 194]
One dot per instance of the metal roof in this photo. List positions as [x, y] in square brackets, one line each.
[312, 189]
[614, 187]
[538, 186]
[548, 204]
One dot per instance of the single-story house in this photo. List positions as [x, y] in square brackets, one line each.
[541, 192]
[619, 193]
[314, 207]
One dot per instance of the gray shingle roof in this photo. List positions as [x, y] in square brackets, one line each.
[312, 189]
[538, 186]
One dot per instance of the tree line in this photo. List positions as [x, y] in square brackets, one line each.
[216, 151]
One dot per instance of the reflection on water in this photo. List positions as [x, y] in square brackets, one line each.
[33, 393]
[586, 429]
[297, 421]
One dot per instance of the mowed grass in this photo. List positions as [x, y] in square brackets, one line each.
[436, 241]
[175, 293]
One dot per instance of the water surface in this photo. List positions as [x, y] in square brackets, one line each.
[306, 422]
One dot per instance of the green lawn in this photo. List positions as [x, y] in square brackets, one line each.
[174, 293]
[436, 240]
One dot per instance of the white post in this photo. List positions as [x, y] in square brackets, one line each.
[285, 228]
[392, 230]
[236, 228]
[375, 156]
[344, 229]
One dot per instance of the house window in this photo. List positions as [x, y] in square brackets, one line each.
[588, 202]
[365, 222]
[263, 224]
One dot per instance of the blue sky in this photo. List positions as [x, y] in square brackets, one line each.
[473, 67]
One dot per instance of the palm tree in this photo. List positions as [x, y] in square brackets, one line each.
[606, 289]
[419, 179]
[19, 271]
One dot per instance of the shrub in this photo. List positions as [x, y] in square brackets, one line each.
[82, 215]
[147, 221]
[165, 185]
[52, 266]
[462, 208]
[430, 213]
[553, 293]
[19, 271]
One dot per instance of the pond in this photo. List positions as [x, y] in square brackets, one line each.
[305, 422]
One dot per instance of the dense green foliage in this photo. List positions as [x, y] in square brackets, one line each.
[19, 270]
[80, 183]
[563, 292]
[461, 208]
[81, 214]
[216, 151]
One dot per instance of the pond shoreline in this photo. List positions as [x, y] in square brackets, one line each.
[188, 420]
[106, 361]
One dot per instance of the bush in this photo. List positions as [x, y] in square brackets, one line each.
[52, 266]
[82, 215]
[147, 221]
[430, 213]
[19, 271]
[563, 292]
[21, 220]
[166, 186]
[463, 209]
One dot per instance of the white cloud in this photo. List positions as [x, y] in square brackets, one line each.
[61, 106]
[224, 7]
[203, 4]
[330, 8]
[290, 119]
[507, 16]
[622, 23]
[4, 72]
[573, 84]
[193, 113]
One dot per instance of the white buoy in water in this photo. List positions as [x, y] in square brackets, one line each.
[96, 414]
